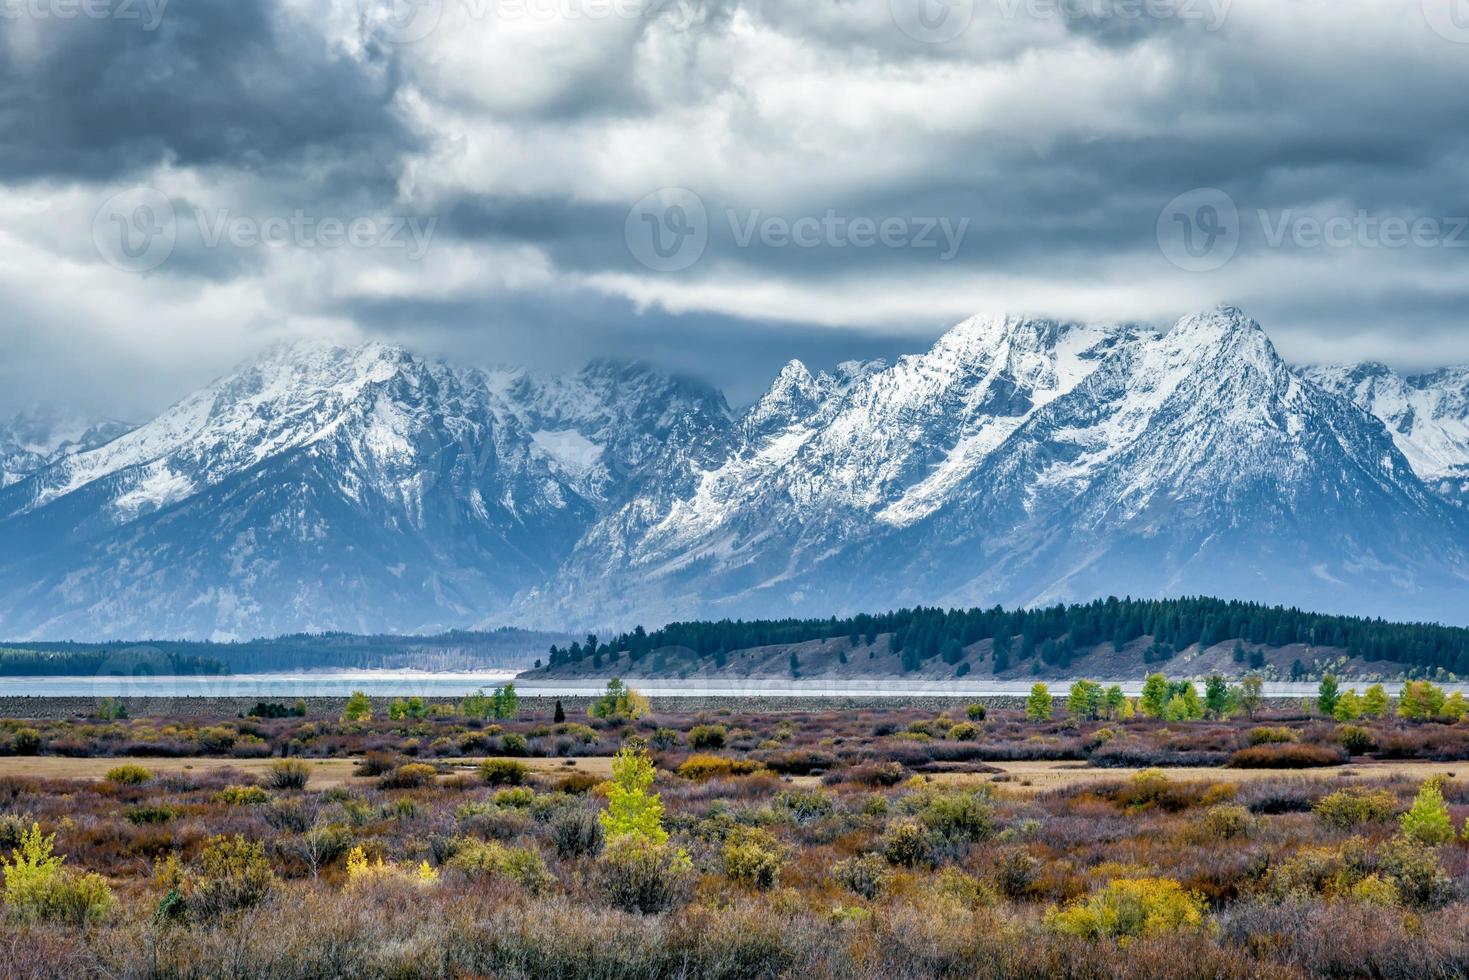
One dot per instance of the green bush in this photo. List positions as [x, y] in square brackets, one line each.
[1272, 735]
[1427, 821]
[25, 741]
[233, 874]
[1355, 739]
[638, 875]
[147, 813]
[1414, 871]
[866, 875]
[964, 731]
[129, 775]
[513, 743]
[476, 858]
[38, 888]
[907, 843]
[707, 736]
[242, 796]
[1355, 806]
[502, 772]
[752, 858]
[1227, 821]
[975, 712]
[957, 817]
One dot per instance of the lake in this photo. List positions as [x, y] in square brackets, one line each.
[427, 684]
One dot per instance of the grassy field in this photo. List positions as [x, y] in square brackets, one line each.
[893, 842]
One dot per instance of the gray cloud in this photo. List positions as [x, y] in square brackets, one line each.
[1058, 132]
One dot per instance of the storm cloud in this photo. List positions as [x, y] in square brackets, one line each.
[715, 186]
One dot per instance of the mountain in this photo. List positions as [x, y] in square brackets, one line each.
[331, 488]
[1427, 414]
[38, 436]
[1018, 461]
[1027, 461]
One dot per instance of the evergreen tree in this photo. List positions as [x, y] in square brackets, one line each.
[1327, 694]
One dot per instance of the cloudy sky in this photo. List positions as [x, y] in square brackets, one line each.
[715, 185]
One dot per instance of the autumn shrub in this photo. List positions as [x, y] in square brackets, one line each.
[1287, 756]
[128, 775]
[39, 889]
[376, 764]
[502, 772]
[287, 774]
[1414, 871]
[1354, 806]
[1227, 821]
[150, 813]
[1273, 735]
[232, 874]
[908, 844]
[1355, 739]
[707, 736]
[522, 865]
[1427, 821]
[242, 796]
[366, 872]
[752, 858]
[957, 818]
[866, 875]
[704, 766]
[639, 875]
[408, 776]
[804, 806]
[1129, 908]
[964, 731]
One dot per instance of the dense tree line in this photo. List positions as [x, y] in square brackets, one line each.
[456, 650]
[91, 662]
[1055, 634]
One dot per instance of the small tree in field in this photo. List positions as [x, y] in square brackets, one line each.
[1250, 695]
[631, 809]
[1327, 694]
[1038, 705]
[1155, 696]
[1427, 821]
[619, 703]
[359, 707]
[1375, 702]
[1085, 699]
[1216, 696]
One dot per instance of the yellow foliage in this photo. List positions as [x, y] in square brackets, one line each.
[1131, 907]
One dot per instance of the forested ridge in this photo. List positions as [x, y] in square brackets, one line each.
[504, 648]
[1055, 634]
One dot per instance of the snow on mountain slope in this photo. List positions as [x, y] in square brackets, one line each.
[323, 487]
[1025, 462]
[39, 436]
[1427, 414]
[1018, 460]
[822, 459]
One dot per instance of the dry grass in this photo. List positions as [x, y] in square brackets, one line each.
[1030, 778]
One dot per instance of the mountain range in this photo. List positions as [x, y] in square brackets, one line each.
[1018, 461]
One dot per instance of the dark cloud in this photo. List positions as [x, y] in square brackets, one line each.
[214, 82]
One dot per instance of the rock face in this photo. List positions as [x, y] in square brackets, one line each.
[1427, 414]
[1018, 461]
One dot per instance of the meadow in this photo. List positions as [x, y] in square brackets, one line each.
[1071, 838]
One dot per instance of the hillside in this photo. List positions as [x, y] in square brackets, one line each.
[1112, 638]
